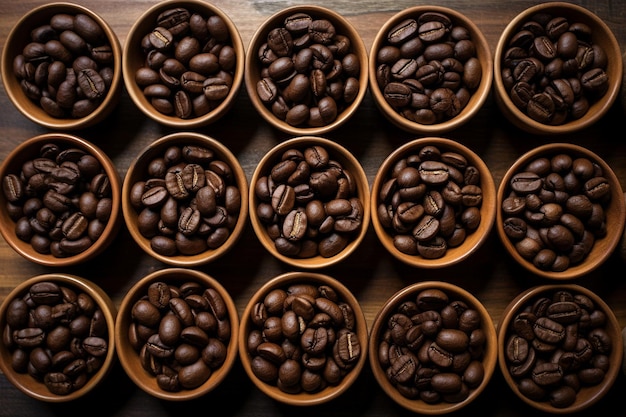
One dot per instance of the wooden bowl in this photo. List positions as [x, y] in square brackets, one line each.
[130, 358]
[36, 388]
[361, 191]
[614, 211]
[135, 58]
[285, 284]
[478, 95]
[254, 68]
[598, 107]
[453, 254]
[235, 180]
[29, 150]
[380, 338]
[588, 394]
[14, 45]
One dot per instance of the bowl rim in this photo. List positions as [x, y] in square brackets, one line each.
[526, 123]
[478, 97]
[358, 47]
[617, 198]
[133, 39]
[32, 110]
[489, 357]
[519, 302]
[113, 224]
[488, 209]
[123, 321]
[239, 177]
[338, 152]
[330, 392]
[106, 305]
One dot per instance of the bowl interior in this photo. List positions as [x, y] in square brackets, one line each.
[138, 172]
[602, 248]
[487, 209]
[588, 395]
[304, 399]
[26, 383]
[601, 35]
[337, 153]
[253, 66]
[378, 327]
[483, 53]
[130, 359]
[18, 39]
[134, 58]
[29, 150]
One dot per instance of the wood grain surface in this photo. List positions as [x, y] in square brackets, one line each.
[371, 273]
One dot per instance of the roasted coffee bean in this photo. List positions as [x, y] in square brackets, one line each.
[61, 58]
[66, 323]
[190, 63]
[60, 193]
[541, 64]
[421, 51]
[551, 194]
[424, 346]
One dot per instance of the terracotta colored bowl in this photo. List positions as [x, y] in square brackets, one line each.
[135, 58]
[587, 395]
[27, 383]
[285, 283]
[29, 150]
[130, 358]
[254, 67]
[380, 334]
[601, 35]
[614, 211]
[19, 37]
[348, 162]
[478, 95]
[473, 241]
[138, 172]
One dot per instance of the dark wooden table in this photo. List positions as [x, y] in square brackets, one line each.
[371, 273]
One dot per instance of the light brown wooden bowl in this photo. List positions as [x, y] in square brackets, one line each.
[253, 66]
[409, 293]
[601, 35]
[129, 358]
[474, 240]
[25, 382]
[137, 171]
[303, 398]
[479, 96]
[134, 58]
[587, 395]
[28, 150]
[615, 213]
[347, 160]
[19, 37]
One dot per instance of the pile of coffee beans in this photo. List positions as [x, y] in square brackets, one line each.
[309, 204]
[554, 210]
[430, 201]
[57, 335]
[552, 69]
[67, 67]
[181, 333]
[427, 68]
[431, 348]
[302, 338]
[189, 63]
[309, 71]
[557, 344]
[187, 202]
[61, 200]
